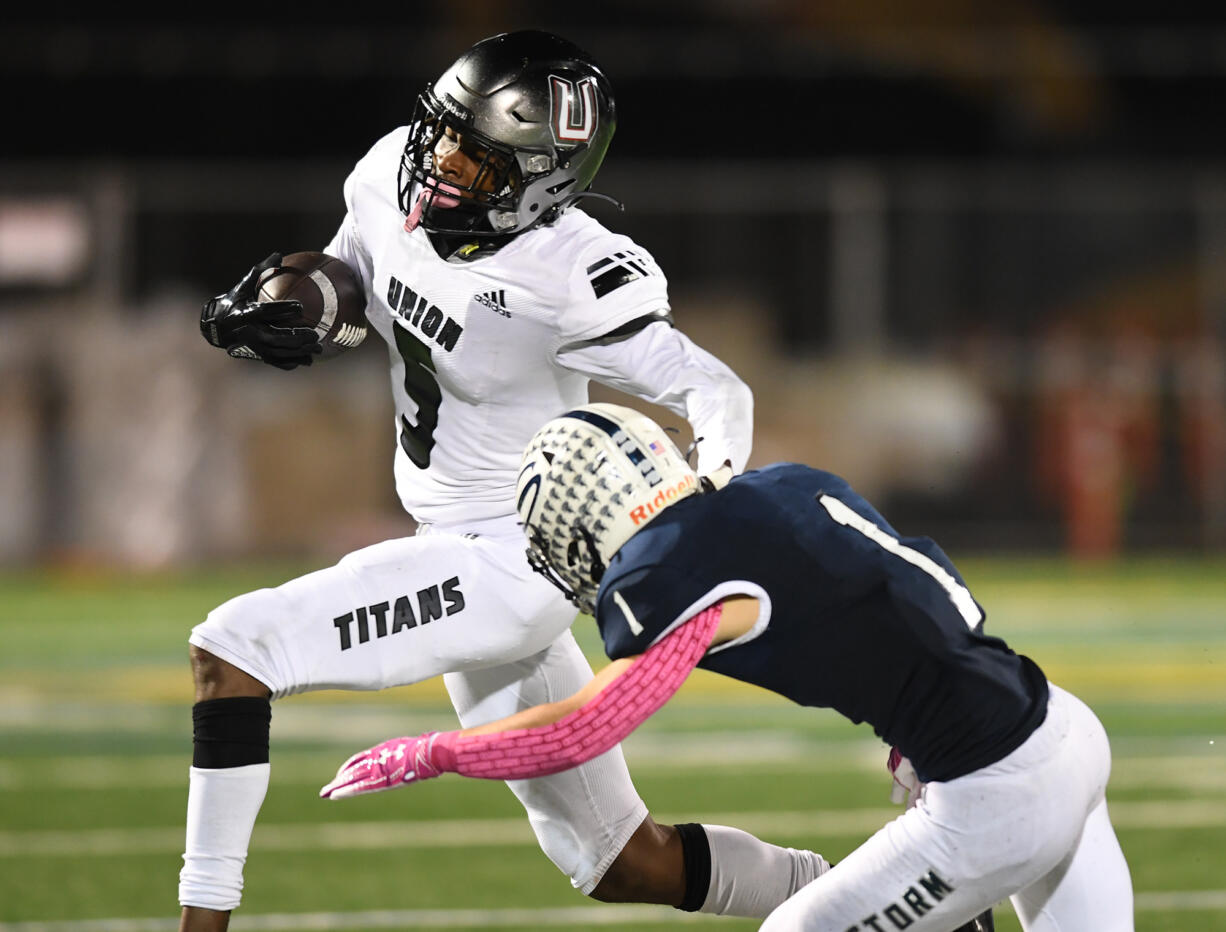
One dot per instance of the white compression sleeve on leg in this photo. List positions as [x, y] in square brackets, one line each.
[221, 809]
[750, 877]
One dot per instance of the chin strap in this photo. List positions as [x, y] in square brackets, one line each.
[539, 560]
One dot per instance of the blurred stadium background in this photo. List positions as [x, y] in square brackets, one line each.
[972, 256]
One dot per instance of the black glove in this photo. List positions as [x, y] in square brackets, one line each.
[273, 331]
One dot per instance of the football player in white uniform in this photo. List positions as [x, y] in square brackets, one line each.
[498, 305]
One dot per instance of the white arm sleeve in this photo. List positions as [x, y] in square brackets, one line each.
[662, 365]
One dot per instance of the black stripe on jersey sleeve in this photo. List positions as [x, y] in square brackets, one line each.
[628, 329]
[613, 279]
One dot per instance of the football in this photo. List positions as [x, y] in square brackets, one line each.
[331, 297]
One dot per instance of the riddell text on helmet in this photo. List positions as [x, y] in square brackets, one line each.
[642, 513]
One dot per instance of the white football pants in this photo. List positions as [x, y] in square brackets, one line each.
[1032, 827]
[463, 601]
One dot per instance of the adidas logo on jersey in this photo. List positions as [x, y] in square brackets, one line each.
[496, 301]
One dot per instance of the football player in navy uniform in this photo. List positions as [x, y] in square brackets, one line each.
[787, 579]
[498, 303]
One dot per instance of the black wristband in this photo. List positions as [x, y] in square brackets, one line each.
[230, 732]
[696, 855]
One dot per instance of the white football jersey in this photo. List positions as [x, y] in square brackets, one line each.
[476, 346]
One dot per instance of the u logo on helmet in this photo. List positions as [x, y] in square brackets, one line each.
[573, 106]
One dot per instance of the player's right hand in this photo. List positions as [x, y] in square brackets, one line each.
[384, 767]
[274, 332]
[717, 479]
[907, 787]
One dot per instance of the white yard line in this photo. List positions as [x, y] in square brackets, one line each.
[567, 916]
[441, 833]
[458, 833]
[1181, 901]
[662, 753]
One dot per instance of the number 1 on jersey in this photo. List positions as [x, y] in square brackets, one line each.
[958, 593]
[421, 385]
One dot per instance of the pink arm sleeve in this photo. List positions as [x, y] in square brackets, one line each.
[616, 711]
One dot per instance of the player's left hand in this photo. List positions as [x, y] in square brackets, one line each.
[274, 332]
[385, 766]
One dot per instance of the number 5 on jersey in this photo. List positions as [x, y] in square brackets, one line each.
[421, 385]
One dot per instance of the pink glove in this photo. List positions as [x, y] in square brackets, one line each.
[907, 787]
[391, 764]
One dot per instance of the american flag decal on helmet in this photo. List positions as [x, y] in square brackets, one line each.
[574, 109]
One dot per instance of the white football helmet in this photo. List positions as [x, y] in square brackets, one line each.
[590, 480]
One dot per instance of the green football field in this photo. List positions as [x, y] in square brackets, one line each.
[95, 701]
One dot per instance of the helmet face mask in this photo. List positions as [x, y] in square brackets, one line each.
[534, 112]
[590, 480]
[492, 192]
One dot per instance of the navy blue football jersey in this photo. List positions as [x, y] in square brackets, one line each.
[854, 617]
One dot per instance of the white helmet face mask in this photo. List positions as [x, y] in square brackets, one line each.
[590, 480]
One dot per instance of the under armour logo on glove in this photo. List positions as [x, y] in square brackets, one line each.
[385, 766]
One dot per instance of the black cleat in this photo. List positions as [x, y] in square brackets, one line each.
[981, 923]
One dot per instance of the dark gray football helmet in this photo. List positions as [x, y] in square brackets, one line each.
[536, 114]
